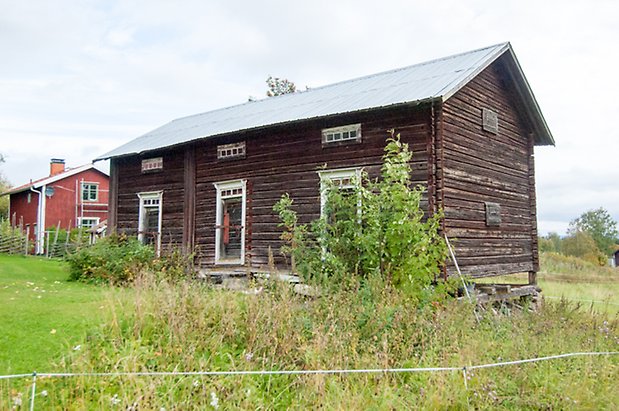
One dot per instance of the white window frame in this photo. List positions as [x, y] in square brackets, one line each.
[326, 176]
[81, 221]
[152, 164]
[223, 191]
[231, 151]
[146, 201]
[329, 134]
[89, 183]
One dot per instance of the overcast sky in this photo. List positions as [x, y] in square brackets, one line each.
[79, 78]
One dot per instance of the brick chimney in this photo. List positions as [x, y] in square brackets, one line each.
[56, 166]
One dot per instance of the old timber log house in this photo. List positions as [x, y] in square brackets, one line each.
[209, 181]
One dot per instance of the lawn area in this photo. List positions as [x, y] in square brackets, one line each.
[591, 286]
[158, 326]
[42, 315]
[582, 283]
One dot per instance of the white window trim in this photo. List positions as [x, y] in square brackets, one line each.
[222, 151]
[335, 174]
[342, 129]
[152, 164]
[93, 183]
[151, 195]
[81, 219]
[220, 187]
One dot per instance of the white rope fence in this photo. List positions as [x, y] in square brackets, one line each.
[463, 369]
[553, 297]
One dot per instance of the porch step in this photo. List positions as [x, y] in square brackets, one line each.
[222, 275]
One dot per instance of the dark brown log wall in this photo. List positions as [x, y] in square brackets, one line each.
[132, 181]
[286, 160]
[279, 160]
[480, 166]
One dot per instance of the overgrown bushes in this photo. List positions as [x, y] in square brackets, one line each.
[115, 259]
[372, 227]
[119, 259]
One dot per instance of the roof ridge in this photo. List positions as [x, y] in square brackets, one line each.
[56, 177]
[439, 78]
[368, 76]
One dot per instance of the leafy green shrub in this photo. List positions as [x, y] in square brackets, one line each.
[115, 259]
[550, 243]
[376, 228]
[582, 245]
[173, 265]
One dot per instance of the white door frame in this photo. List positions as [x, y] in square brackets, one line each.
[229, 189]
[148, 197]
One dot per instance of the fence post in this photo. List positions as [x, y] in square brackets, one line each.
[27, 240]
[34, 390]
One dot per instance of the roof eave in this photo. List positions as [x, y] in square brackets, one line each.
[543, 135]
[173, 146]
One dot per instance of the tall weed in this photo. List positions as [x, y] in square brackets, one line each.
[189, 327]
[375, 228]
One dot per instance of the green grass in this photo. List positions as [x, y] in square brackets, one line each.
[41, 314]
[159, 326]
[588, 285]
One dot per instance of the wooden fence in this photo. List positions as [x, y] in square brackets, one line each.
[14, 240]
[56, 242]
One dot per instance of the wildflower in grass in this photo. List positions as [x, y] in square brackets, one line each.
[249, 356]
[53, 331]
[214, 400]
[115, 400]
[17, 400]
[196, 383]
[77, 347]
[43, 393]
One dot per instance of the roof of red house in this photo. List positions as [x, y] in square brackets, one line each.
[50, 179]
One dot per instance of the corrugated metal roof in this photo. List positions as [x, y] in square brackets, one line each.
[436, 79]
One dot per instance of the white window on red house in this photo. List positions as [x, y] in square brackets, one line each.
[88, 222]
[90, 191]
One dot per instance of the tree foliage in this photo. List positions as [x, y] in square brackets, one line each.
[278, 86]
[600, 226]
[4, 186]
[377, 228]
[551, 243]
[580, 244]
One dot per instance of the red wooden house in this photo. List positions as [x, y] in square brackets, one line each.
[69, 197]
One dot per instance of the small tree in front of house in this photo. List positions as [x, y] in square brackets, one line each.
[375, 228]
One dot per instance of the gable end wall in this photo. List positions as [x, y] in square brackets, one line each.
[479, 167]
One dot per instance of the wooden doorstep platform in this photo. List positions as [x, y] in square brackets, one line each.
[488, 293]
[219, 275]
[240, 278]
